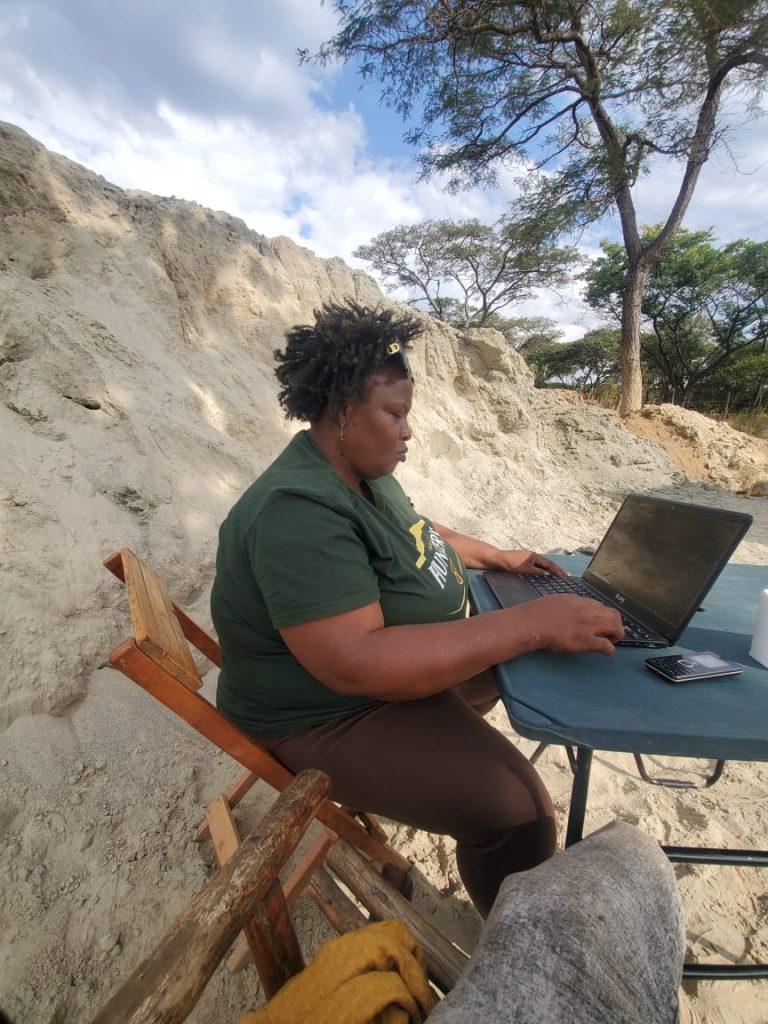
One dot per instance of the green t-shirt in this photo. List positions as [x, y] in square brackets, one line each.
[298, 546]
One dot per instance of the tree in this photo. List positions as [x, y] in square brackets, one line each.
[592, 90]
[526, 333]
[705, 307]
[467, 272]
[587, 364]
[740, 386]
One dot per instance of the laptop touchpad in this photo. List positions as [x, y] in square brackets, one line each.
[510, 589]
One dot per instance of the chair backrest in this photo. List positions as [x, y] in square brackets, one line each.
[155, 626]
[157, 657]
[196, 636]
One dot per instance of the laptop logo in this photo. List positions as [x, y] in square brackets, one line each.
[620, 598]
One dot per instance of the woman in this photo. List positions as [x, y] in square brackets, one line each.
[341, 614]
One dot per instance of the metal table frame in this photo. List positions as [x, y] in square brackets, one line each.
[621, 706]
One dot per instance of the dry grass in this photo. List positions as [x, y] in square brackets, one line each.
[750, 421]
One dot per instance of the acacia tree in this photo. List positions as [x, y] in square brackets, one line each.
[705, 307]
[588, 364]
[740, 386]
[594, 88]
[466, 271]
[526, 333]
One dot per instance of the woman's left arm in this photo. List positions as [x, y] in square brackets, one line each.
[477, 554]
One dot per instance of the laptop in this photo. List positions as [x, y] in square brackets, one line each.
[655, 564]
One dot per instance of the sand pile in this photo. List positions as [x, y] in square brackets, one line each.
[703, 448]
[136, 402]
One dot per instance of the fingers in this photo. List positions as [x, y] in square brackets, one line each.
[553, 567]
[541, 564]
[573, 624]
[611, 628]
[603, 645]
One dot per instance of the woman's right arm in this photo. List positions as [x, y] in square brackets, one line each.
[354, 653]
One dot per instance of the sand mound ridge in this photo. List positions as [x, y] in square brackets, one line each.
[137, 400]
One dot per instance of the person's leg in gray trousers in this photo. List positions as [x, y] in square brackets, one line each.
[592, 936]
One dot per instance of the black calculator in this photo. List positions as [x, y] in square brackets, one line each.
[680, 668]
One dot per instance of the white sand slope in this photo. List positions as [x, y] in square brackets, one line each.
[137, 401]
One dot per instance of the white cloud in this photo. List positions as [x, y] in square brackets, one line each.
[208, 102]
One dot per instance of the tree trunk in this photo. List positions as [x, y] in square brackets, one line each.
[631, 375]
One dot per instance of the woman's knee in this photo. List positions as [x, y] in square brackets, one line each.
[485, 862]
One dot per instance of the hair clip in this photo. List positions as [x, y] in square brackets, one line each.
[396, 351]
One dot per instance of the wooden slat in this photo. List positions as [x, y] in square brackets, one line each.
[344, 915]
[233, 798]
[293, 887]
[296, 882]
[226, 839]
[224, 834]
[272, 939]
[196, 635]
[164, 988]
[114, 563]
[241, 954]
[155, 626]
[209, 722]
[445, 962]
[269, 940]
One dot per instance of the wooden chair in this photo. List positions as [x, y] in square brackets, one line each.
[158, 657]
[244, 893]
[592, 934]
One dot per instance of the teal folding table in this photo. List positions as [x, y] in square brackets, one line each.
[592, 702]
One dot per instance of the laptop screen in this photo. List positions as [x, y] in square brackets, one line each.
[659, 558]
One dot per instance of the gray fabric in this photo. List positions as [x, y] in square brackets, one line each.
[592, 936]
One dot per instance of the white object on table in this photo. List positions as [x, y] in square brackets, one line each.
[759, 648]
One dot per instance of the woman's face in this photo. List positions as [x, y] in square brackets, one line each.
[376, 430]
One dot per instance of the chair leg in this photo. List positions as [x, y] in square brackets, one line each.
[445, 962]
[397, 875]
[242, 786]
[343, 913]
[166, 985]
[294, 885]
[273, 943]
[369, 823]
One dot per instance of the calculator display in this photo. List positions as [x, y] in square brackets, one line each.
[704, 661]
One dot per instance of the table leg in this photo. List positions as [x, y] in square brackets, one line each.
[579, 791]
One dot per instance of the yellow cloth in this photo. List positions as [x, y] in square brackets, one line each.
[375, 975]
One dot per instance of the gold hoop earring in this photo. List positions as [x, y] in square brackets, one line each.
[341, 437]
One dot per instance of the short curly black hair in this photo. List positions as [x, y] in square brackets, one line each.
[326, 364]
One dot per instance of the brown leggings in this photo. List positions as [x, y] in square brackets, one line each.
[435, 764]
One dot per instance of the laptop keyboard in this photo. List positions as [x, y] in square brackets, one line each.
[635, 634]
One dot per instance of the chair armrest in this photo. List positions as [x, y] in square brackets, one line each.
[167, 984]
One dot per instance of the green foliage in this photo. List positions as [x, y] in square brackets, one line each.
[706, 309]
[588, 364]
[581, 94]
[605, 83]
[467, 272]
[526, 333]
[740, 385]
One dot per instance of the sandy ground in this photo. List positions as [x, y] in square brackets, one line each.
[137, 401]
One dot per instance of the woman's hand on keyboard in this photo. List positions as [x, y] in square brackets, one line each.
[573, 624]
[528, 562]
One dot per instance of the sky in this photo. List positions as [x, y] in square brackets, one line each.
[208, 102]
